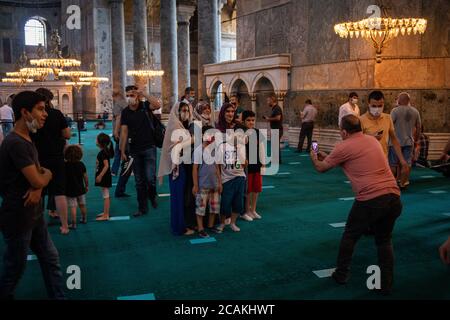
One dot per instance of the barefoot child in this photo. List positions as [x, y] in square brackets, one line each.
[254, 186]
[76, 184]
[103, 177]
[207, 186]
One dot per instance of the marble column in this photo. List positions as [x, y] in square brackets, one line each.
[169, 55]
[118, 44]
[140, 40]
[207, 40]
[184, 14]
[221, 3]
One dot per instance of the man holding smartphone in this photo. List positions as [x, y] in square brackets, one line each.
[378, 124]
[377, 205]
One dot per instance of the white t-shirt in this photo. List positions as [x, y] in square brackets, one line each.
[347, 109]
[6, 113]
[233, 159]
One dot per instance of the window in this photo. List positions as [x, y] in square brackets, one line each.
[35, 32]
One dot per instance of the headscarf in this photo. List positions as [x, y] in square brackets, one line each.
[222, 124]
[199, 113]
[166, 166]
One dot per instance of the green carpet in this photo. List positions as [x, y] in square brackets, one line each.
[273, 258]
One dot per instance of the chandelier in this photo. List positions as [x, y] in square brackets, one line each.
[148, 70]
[19, 81]
[379, 31]
[94, 80]
[56, 61]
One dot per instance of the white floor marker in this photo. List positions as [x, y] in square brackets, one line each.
[164, 195]
[338, 225]
[326, 273]
[120, 218]
[438, 192]
[428, 177]
[284, 173]
[347, 182]
[31, 257]
[294, 163]
[347, 199]
[268, 187]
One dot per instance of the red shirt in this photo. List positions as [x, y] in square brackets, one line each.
[366, 166]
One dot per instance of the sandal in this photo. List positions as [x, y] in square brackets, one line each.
[102, 218]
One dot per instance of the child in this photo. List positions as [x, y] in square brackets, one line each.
[207, 186]
[77, 183]
[254, 178]
[233, 183]
[103, 177]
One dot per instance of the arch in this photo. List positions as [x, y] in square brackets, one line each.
[236, 79]
[217, 94]
[65, 104]
[262, 90]
[241, 89]
[266, 75]
[35, 30]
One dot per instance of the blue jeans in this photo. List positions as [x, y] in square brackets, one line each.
[144, 167]
[7, 127]
[17, 246]
[116, 163]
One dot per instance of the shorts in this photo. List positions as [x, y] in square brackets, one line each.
[105, 193]
[407, 152]
[232, 197]
[73, 202]
[254, 184]
[205, 197]
[57, 186]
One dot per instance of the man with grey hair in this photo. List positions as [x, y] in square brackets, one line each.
[408, 126]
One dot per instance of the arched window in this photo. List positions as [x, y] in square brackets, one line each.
[35, 32]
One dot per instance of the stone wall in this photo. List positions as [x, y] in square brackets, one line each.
[325, 68]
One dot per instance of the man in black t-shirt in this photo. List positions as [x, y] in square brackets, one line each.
[50, 142]
[137, 129]
[21, 213]
[276, 118]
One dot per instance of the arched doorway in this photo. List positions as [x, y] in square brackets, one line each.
[217, 96]
[263, 89]
[65, 105]
[241, 90]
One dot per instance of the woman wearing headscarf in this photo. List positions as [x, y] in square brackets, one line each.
[202, 112]
[174, 163]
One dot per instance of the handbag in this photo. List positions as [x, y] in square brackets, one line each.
[159, 130]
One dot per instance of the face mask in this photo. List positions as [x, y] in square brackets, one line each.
[354, 101]
[191, 99]
[184, 116]
[32, 126]
[131, 101]
[376, 112]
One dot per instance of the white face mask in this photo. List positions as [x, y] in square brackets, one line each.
[191, 99]
[32, 126]
[354, 101]
[131, 101]
[184, 116]
[376, 112]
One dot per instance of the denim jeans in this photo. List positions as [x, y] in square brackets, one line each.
[378, 215]
[7, 127]
[17, 247]
[306, 132]
[144, 167]
[116, 163]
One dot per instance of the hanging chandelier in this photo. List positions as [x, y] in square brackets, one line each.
[56, 61]
[93, 79]
[379, 31]
[148, 70]
[18, 81]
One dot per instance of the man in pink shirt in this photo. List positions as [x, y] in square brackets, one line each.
[377, 204]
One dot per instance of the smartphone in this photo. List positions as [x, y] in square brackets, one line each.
[380, 132]
[315, 146]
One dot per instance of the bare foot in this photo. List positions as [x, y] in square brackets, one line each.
[64, 231]
[102, 218]
[100, 215]
[189, 232]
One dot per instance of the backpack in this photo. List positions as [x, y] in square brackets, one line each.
[159, 130]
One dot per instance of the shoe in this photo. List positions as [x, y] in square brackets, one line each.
[203, 234]
[216, 229]
[228, 221]
[113, 174]
[72, 226]
[123, 195]
[126, 166]
[138, 214]
[256, 215]
[235, 228]
[339, 279]
[83, 221]
[246, 217]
